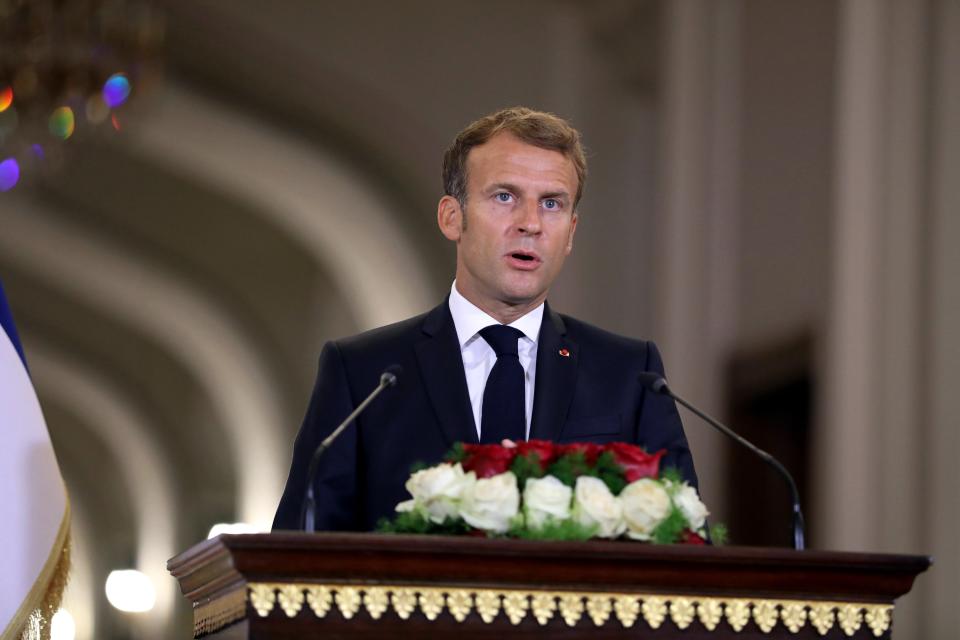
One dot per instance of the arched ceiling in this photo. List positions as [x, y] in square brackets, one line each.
[160, 281]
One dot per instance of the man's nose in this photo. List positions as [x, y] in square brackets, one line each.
[529, 221]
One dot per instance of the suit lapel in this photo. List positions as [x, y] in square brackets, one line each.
[441, 366]
[556, 377]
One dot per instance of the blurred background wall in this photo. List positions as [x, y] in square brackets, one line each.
[773, 198]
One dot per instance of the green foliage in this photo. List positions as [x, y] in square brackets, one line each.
[407, 522]
[672, 474]
[552, 529]
[419, 465]
[418, 522]
[527, 466]
[567, 468]
[719, 535]
[456, 454]
[668, 531]
[610, 472]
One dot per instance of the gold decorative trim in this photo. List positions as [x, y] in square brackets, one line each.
[765, 615]
[822, 617]
[515, 605]
[878, 618]
[348, 601]
[459, 603]
[627, 609]
[597, 608]
[850, 618]
[737, 612]
[217, 614]
[404, 602]
[262, 597]
[544, 605]
[32, 618]
[488, 605]
[709, 612]
[291, 598]
[431, 603]
[320, 599]
[682, 611]
[376, 601]
[794, 615]
[654, 609]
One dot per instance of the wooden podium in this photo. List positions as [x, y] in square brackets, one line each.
[297, 585]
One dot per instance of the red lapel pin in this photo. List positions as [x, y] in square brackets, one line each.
[565, 353]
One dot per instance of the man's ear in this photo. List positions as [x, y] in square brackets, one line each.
[450, 218]
[573, 229]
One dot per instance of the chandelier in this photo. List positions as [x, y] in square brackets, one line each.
[69, 70]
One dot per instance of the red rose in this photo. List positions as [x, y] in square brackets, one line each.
[636, 462]
[487, 460]
[689, 537]
[591, 451]
[543, 448]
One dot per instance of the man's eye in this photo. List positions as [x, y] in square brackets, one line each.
[551, 204]
[503, 197]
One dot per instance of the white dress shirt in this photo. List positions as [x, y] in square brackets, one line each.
[479, 357]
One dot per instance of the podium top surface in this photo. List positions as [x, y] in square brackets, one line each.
[228, 561]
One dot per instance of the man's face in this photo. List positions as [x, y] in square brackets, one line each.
[519, 224]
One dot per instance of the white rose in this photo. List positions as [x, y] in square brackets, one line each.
[545, 498]
[437, 490]
[490, 503]
[405, 506]
[689, 504]
[594, 505]
[645, 504]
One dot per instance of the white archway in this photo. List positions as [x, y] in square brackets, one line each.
[208, 342]
[307, 192]
[126, 434]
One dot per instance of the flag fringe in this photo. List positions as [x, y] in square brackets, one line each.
[33, 619]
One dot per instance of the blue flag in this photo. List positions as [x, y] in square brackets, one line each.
[6, 323]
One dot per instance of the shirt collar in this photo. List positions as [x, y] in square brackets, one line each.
[468, 318]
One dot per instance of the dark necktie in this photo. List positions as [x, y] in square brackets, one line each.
[504, 410]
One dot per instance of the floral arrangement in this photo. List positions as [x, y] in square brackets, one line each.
[541, 490]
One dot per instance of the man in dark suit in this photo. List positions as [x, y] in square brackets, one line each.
[493, 360]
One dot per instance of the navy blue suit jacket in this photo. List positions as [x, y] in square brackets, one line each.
[589, 395]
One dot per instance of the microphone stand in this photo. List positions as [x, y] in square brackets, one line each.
[658, 385]
[309, 508]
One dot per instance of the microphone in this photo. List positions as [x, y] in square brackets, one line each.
[308, 510]
[657, 384]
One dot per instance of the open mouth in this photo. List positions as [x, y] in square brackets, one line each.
[525, 261]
